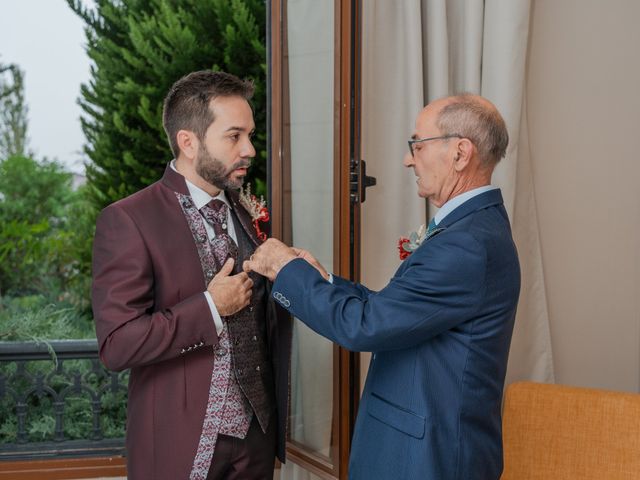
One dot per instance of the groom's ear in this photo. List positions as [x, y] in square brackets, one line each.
[188, 143]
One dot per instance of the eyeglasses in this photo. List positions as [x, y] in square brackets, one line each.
[420, 140]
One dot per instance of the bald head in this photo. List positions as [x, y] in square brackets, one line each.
[476, 118]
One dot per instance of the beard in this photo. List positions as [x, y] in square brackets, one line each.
[214, 172]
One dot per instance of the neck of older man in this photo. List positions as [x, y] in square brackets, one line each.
[474, 176]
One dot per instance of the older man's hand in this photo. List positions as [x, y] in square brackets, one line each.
[269, 258]
[306, 255]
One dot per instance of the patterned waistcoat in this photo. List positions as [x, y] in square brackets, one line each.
[242, 355]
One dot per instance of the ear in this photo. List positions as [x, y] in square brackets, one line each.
[188, 144]
[463, 154]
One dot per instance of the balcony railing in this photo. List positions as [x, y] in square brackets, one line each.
[57, 400]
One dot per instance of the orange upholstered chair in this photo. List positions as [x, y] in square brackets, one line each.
[557, 432]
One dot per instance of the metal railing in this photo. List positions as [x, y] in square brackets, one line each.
[57, 400]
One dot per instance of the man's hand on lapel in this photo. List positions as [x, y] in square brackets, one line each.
[269, 258]
[230, 293]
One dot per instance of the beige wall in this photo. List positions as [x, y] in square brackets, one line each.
[583, 105]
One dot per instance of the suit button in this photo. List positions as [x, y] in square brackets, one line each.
[236, 341]
[224, 226]
[258, 368]
[209, 274]
[221, 352]
[255, 339]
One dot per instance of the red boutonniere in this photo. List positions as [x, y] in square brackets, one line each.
[257, 210]
[403, 253]
[406, 246]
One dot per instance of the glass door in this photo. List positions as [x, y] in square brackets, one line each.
[313, 180]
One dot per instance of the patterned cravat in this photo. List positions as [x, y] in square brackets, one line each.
[216, 214]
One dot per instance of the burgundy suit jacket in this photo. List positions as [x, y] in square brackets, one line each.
[149, 307]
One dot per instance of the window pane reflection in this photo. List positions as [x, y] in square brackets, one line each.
[310, 60]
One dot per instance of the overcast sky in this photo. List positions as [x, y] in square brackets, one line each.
[46, 40]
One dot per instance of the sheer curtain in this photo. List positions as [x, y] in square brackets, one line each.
[416, 51]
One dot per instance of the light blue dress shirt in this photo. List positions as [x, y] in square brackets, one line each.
[455, 202]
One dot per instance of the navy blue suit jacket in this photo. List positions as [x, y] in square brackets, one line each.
[440, 332]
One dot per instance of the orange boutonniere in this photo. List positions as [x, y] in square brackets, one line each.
[257, 210]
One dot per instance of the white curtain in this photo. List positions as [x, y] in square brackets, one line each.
[416, 51]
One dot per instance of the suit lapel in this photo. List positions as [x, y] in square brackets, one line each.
[243, 216]
[174, 181]
[192, 255]
[484, 200]
[434, 232]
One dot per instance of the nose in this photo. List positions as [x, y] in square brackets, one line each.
[248, 150]
[408, 160]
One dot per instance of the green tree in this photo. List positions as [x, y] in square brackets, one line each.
[13, 112]
[35, 198]
[32, 190]
[139, 48]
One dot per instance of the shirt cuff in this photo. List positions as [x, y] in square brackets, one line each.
[217, 320]
[330, 279]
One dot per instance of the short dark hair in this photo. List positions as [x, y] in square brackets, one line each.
[479, 121]
[186, 106]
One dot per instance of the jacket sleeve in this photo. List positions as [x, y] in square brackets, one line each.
[355, 288]
[131, 330]
[440, 287]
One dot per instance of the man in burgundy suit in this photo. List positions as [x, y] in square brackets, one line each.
[207, 347]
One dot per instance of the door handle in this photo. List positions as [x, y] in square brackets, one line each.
[366, 181]
[359, 181]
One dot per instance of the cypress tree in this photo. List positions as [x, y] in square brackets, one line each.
[139, 48]
[13, 112]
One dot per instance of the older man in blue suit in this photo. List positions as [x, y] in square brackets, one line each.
[440, 330]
